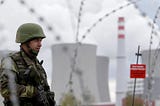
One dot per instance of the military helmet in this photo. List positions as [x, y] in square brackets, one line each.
[29, 31]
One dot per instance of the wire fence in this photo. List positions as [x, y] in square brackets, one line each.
[58, 37]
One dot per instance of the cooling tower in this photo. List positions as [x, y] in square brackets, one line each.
[155, 69]
[154, 61]
[102, 78]
[63, 57]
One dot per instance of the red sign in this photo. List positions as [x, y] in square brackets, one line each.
[137, 71]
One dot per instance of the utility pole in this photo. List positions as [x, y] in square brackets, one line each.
[138, 54]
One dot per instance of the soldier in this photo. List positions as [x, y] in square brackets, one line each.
[23, 80]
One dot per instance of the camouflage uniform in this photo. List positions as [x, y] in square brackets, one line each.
[24, 80]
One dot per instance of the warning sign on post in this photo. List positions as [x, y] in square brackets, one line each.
[137, 71]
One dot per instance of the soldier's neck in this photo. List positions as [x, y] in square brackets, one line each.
[27, 52]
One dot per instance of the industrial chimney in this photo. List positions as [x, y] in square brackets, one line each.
[121, 82]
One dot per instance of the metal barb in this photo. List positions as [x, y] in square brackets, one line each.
[104, 17]
[41, 19]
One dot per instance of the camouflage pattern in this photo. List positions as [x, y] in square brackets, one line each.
[28, 74]
[29, 31]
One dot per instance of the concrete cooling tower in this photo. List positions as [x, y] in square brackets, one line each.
[63, 58]
[90, 74]
[155, 68]
[154, 61]
[102, 78]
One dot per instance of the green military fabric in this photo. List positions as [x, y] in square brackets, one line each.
[26, 73]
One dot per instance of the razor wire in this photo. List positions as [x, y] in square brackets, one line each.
[7, 62]
[104, 17]
[75, 56]
[79, 19]
[94, 24]
[97, 22]
[151, 66]
[58, 38]
[79, 42]
[108, 14]
[151, 37]
[75, 70]
[73, 65]
[41, 19]
[2, 2]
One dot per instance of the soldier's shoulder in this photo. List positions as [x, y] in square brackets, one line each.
[7, 62]
[7, 58]
[15, 56]
[11, 54]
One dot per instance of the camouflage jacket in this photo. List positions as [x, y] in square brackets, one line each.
[20, 75]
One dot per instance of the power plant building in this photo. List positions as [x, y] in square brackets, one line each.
[102, 78]
[88, 72]
[148, 88]
[154, 70]
[121, 79]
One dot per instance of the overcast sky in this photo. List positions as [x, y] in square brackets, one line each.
[62, 16]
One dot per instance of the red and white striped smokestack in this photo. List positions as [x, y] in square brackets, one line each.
[121, 82]
[121, 28]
